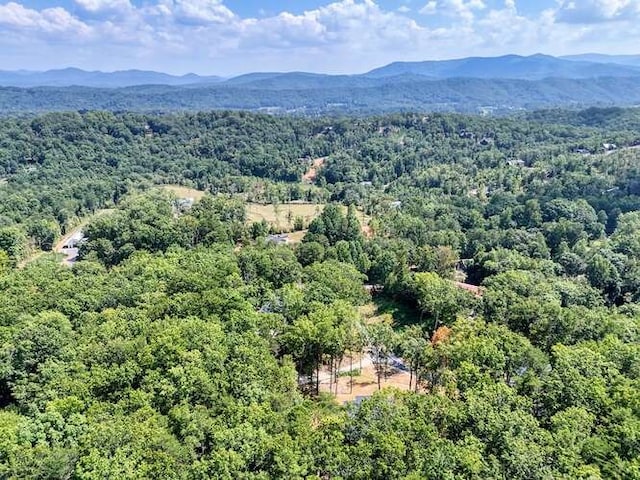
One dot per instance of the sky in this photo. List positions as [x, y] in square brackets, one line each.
[229, 37]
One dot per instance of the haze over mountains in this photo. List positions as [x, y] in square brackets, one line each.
[534, 67]
[67, 77]
[495, 84]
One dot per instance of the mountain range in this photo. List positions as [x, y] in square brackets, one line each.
[67, 77]
[496, 85]
[534, 67]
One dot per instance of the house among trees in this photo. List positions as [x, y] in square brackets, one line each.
[278, 239]
[185, 203]
[74, 241]
[515, 163]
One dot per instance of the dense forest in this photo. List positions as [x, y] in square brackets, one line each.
[502, 254]
[307, 94]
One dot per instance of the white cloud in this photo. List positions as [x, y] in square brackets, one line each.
[200, 12]
[594, 11]
[349, 24]
[49, 20]
[430, 8]
[459, 9]
[96, 6]
[340, 36]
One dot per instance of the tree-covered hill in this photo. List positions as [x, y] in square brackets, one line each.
[313, 94]
[186, 342]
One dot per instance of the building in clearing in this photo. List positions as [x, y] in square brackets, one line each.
[278, 239]
[74, 241]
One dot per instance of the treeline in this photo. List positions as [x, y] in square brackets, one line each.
[326, 95]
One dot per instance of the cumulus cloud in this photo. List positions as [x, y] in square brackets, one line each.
[338, 36]
[594, 11]
[460, 9]
[197, 12]
[430, 8]
[50, 20]
[348, 24]
[96, 6]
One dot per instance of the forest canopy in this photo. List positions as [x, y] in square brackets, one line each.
[190, 339]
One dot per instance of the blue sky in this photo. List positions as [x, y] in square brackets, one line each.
[227, 37]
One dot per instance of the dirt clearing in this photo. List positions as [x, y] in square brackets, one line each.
[365, 384]
[311, 174]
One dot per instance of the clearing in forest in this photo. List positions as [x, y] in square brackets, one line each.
[365, 384]
[311, 174]
[69, 254]
[184, 192]
[282, 215]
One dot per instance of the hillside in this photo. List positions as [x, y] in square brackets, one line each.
[485, 324]
[631, 60]
[496, 85]
[534, 67]
[337, 95]
[76, 77]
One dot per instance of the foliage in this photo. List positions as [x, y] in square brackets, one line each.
[185, 344]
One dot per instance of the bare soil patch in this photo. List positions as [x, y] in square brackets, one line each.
[312, 173]
[365, 384]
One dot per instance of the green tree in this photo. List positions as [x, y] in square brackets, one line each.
[441, 299]
[382, 341]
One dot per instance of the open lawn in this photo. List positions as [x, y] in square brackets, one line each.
[281, 216]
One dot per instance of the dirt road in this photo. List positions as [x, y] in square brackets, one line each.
[74, 236]
[70, 254]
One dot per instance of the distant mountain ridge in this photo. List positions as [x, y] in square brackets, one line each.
[68, 77]
[398, 94]
[533, 67]
[631, 60]
[487, 85]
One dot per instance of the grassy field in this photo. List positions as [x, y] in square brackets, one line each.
[184, 192]
[283, 215]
